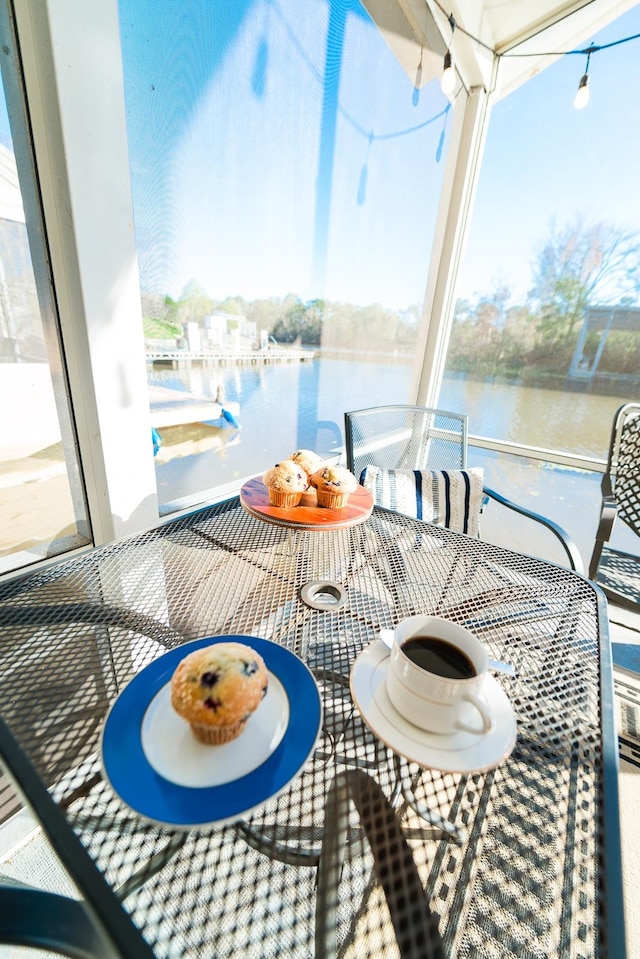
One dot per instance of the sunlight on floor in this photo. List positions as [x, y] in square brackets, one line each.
[629, 782]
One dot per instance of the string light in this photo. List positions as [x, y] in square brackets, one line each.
[582, 95]
[448, 79]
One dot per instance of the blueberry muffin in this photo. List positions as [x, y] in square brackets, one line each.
[286, 482]
[334, 485]
[308, 460]
[217, 688]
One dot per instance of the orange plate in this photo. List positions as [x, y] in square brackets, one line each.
[254, 497]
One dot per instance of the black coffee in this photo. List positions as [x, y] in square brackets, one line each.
[439, 657]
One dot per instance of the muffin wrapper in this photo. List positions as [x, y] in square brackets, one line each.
[216, 735]
[332, 500]
[279, 498]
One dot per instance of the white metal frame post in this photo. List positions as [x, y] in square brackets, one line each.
[471, 115]
[72, 62]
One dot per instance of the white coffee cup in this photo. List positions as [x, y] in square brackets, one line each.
[435, 702]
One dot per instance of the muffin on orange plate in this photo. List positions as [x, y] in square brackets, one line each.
[334, 485]
[308, 460]
[286, 482]
[217, 688]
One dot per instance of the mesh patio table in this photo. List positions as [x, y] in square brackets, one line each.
[363, 851]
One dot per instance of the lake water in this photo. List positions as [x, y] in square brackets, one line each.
[287, 406]
[282, 405]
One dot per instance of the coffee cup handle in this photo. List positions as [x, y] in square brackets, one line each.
[485, 716]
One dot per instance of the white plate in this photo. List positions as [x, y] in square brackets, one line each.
[458, 752]
[175, 753]
[170, 778]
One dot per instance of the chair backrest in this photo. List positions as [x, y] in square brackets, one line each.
[623, 464]
[405, 437]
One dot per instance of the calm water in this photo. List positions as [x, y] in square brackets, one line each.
[287, 406]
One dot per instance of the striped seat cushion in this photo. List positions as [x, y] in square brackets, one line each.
[451, 498]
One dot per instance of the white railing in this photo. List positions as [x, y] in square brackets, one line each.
[572, 460]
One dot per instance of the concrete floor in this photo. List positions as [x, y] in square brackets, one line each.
[624, 628]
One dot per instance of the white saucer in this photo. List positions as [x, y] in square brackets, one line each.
[458, 752]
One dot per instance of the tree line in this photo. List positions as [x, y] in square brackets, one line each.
[574, 266]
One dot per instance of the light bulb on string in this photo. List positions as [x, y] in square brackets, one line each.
[582, 95]
[448, 78]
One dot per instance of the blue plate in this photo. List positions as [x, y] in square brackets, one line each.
[141, 736]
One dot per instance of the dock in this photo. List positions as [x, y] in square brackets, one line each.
[172, 408]
[177, 358]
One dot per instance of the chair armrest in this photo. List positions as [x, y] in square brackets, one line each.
[608, 513]
[102, 926]
[48, 921]
[570, 548]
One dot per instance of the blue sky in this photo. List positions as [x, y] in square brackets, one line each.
[246, 180]
[545, 159]
[253, 176]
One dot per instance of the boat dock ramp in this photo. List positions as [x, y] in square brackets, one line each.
[171, 407]
[177, 358]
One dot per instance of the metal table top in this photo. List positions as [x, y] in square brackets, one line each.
[365, 853]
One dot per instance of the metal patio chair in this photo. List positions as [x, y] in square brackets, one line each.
[410, 440]
[76, 704]
[405, 437]
[418, 438]
[94, 926]
[617, 571]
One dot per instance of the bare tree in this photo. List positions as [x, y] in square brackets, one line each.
[576, 265]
